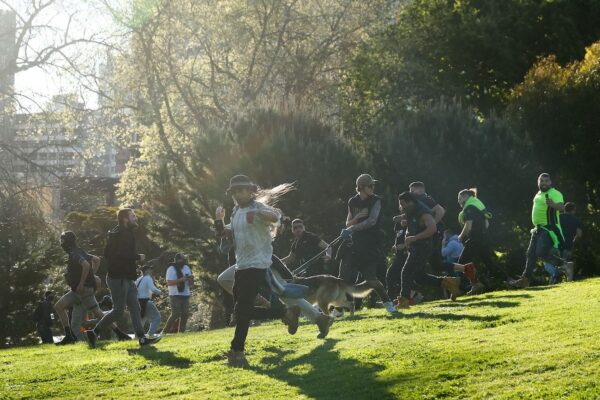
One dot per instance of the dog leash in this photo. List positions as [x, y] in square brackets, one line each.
[304, 267]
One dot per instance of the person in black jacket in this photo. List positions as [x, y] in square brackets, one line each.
[120, 252]
[363, 225]
[42, 316]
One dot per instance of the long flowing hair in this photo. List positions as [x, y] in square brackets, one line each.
[271, 197]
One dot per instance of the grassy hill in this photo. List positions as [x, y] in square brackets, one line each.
[542, 342]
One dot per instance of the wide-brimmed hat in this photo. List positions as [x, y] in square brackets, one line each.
[365, 180]
[240, 181]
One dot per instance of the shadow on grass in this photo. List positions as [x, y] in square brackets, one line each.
[323, 374]
[427, 315]
[482, 303]
[493, 296]
[538, 288]
[167, 358]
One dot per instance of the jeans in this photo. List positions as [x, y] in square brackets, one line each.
[540, 246]
[152, 315]
[123, 293]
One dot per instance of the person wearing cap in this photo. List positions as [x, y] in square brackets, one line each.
[122, 257]
[81, 280]
[179, 278]
[42, 316]
[305, 246]
[146, 288]
[250, 228]
[363, 226]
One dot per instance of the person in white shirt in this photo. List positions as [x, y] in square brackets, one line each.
[251, 226]
[146, 288]
[179, 279]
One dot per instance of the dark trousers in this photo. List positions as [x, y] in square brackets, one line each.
[478, 251]
[393, 277]
[414, 268]
[45, 333]
[435, 259]
[245, 288]
[541, 246]
[364, 258]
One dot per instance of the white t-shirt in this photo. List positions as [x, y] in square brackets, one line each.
[252, 236]
[145, 287]
[172, 275]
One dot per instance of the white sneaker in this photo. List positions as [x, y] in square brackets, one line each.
[390, 307]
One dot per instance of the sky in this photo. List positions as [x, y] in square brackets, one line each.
[89, 18]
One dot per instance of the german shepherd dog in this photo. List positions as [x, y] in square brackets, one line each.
[328, 291]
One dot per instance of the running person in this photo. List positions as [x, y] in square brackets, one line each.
[120, 252]
[251, 224]
[546, 236]
[475, 219]
[80, 278]
[146, 289]
[363, 226]
[438, 212]
[304, 247]
[420, 230]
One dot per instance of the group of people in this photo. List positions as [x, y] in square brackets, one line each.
[420, 240]
[260, 282]
[127, 290]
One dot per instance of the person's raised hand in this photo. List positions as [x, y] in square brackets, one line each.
[220, 213]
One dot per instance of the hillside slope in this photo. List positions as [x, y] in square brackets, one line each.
[538, 343]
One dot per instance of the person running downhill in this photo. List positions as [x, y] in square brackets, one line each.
[475, 219]
[420, 230]
[81, 267]
[363, 226]
[546, 237]
[251, 228]
[120, 252]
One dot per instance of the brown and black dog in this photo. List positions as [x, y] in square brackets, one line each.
[328, 291]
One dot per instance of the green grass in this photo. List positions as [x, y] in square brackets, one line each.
[538, 343]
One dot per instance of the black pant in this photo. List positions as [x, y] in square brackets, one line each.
[478, 251]
[435, 259]
[45, 333]
[364, 258]
[245, 288]
[393, 277]
[414, 268]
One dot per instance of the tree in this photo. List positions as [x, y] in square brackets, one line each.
[558, 108]
[28, 249]
[473, 50]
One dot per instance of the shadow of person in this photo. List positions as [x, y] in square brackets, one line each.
[322, 372]
[482, 303]
[430, 315]
[493, 296]
[167, 358]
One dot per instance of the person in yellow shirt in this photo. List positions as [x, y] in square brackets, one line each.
[546, 237]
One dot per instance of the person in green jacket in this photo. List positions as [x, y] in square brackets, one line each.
[546, 237]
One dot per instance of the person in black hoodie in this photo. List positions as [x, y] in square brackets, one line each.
[120, 252]
[42, 317]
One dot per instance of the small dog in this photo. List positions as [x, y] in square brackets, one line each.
[328, 291]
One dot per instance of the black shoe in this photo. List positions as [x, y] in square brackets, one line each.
[144, 341]
[92, 338]
[68, 339]
[121, 335]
